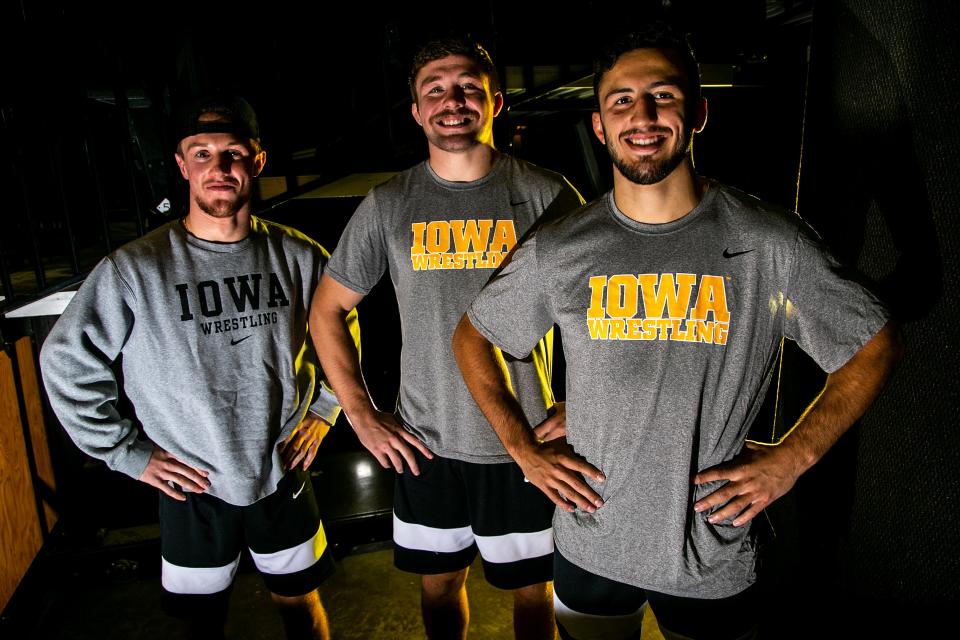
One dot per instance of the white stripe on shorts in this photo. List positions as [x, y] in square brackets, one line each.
[512, 547]
[196, 580]
[585, 626]
[286, 561]
[422, 538]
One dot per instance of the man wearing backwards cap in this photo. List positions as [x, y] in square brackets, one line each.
[207, 317]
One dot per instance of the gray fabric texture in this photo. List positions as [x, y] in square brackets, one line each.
[440, 241]
[211, 342]
[670, 333]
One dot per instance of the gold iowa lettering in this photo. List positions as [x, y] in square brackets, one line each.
[461, 244]
[671, 311]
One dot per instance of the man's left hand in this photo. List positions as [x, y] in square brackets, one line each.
[555, 426]
[302, 444]
[756, 477]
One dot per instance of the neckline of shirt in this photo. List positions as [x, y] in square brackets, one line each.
[499, 161]
[218, 247]
[663, 227]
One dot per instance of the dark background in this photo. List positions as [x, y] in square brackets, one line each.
[841, 109]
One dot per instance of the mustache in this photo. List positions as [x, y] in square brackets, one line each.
[462, 111]
[647, 131]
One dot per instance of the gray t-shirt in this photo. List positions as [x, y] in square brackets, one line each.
[216, 359]
[670, 333]
[441, 241]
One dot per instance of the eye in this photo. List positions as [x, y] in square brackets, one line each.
[437, 89]
[662, 96]
[202, 154]
[622, 100]
[235, 153]
[469, 86]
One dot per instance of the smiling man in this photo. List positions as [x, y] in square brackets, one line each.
[207, 319]
[672, 294]
[440, 229]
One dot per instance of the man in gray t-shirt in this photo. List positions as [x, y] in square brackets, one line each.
[672, 294]
[440, 229]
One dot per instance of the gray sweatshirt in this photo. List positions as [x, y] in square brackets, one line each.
[209, 342]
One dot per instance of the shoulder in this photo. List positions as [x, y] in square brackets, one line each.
[749, 215]
[286, 238]
[152, 245]
[529, 172]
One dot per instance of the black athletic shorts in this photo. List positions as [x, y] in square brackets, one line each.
[442, 517]
[201, 541]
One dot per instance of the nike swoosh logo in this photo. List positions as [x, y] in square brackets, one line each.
[236, 342]
[513, 204]
[296, 494]
[733, 254]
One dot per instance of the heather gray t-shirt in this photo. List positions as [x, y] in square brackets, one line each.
[670, 333]
[213, 343]
[441, 241]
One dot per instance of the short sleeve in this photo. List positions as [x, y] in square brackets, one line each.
[830, 313]
[513, 310]
[360, 258]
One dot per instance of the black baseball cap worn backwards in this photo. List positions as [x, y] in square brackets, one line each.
[235, 115]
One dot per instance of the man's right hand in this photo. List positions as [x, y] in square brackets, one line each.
[163, 468]
[556, 469]
[389, 442]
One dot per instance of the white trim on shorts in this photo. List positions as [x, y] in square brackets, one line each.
[509, 547]
[196, 580]
[286, 561]
[586, 626]
[513, 547]
[423, 538]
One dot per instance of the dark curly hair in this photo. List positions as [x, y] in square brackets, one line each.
[453, 46]
[657, 34]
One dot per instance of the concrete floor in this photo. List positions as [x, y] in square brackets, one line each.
[367, 598]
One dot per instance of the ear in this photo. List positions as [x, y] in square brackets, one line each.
[416, 113]
[258, 161]
[701, 118]
[497, 103]
[598, 127]
[182, 165]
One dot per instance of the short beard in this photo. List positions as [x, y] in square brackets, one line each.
[645, 171]
[458, 142]
[221, 208]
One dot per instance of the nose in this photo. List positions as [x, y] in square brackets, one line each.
[644, 110]
[454, 97]
[225, 161]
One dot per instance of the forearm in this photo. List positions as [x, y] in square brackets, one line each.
[340, 360]
[483, 371]
[847, 395]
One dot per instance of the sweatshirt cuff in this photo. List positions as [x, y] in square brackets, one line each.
[134, 459]
[326, 405]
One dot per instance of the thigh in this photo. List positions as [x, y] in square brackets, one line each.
[201, 540]
[512, 523]
[591, 607]
[286, 538]
[431, 522]
[733, 618]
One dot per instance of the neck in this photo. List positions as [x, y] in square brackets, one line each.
[463, 166]
[670, 199]
[206, 227]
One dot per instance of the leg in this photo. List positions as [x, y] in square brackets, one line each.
[533, 612]
[432, 537]
[512, 520]
[733, 618]
[443, 601]
[303, 616]
[200, 543]
[591, 607]
[289, 548]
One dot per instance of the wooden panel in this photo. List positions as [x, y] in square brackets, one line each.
[20, 537]
[38, 431]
